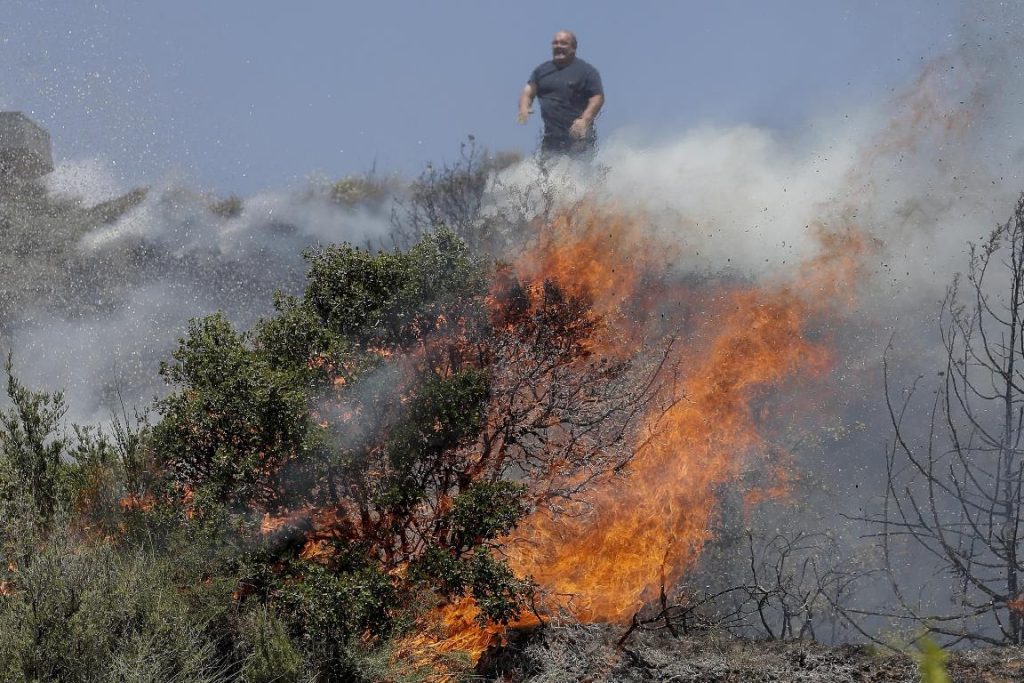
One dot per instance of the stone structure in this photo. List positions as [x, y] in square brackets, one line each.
[25, 151]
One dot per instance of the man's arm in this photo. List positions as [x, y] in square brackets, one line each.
[526, 102]
[581, 125]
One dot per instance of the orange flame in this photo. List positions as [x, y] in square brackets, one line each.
[133, 501]
[453, 628]
[651, 527]
[611, 553]
[604, 254]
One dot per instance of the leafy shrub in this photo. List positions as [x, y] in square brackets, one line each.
[81, 612]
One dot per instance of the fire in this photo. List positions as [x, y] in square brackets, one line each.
[631, 537]
[133, 501]
[274, 524]
[600, 251]
[638, 532]
[606, 255]
[650, 528]
[454, 628]
[460, 629]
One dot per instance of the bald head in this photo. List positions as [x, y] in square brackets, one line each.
[563, 48]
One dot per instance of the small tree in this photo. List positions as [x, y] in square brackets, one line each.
[958, 493]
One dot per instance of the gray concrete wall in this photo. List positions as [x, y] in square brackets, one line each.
[25, 151]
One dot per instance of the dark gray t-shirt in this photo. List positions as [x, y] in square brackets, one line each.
[564, 94]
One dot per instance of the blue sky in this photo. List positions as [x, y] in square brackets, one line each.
[239, 96]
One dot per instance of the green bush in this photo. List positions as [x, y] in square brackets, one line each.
[336, 616]
[270, 655]
[82, 612]
[31, 445]
[230, 435]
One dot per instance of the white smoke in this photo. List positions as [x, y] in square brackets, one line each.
[180, 221]
[128, 288]
[922, 173]
[90, 181]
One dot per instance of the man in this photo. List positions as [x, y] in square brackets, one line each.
[570, 95]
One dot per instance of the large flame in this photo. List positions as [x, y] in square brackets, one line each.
[638, 531]
[647, 529]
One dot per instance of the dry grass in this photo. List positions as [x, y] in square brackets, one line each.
[590, 654]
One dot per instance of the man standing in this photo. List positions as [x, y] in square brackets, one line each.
[570, 95]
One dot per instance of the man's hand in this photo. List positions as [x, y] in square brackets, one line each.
[579, 128]
[524, 114]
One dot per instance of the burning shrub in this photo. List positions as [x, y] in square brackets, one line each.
[388, 428]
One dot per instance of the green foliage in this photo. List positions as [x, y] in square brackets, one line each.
[31, 444]
[358, 293]
[295, 337]
[97, 477]
[389, 297]
[932, 661]
[444, 415]
[486, 510]
[464, 564]
[80, 612]
[331, 611]
[271, 655]
[498, 592]
[230, 435]
[76, 610]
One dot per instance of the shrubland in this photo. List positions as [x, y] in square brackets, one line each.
[310, 487]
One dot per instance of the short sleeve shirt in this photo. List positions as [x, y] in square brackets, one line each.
[564, 93]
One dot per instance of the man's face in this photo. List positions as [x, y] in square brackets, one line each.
[562, 49]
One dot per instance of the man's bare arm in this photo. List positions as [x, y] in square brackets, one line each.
[526, 102]
[581, 125]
